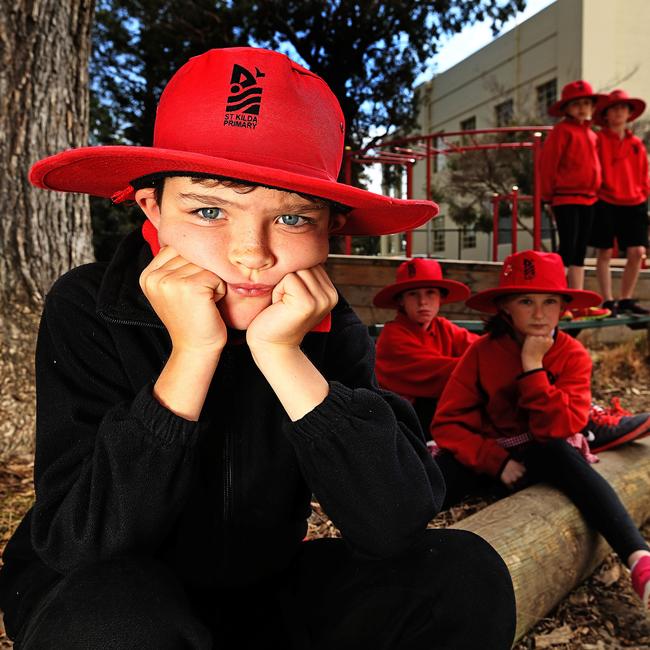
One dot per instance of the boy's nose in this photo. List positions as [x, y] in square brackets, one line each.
[250, 252]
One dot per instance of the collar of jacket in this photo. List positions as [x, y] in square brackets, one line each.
[414, 327]
[120, 299]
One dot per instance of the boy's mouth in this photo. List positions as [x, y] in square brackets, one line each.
[251, 290]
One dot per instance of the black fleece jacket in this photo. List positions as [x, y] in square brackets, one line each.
[117, 473]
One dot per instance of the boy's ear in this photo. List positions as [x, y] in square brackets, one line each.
[337, 221]
[146, 199]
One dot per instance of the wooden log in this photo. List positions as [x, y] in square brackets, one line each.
[544, 540]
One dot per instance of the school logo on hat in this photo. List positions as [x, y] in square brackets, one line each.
[529, 269]
[243, 104]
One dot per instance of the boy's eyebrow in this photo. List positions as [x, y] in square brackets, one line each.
[203, 198]
[295, 205]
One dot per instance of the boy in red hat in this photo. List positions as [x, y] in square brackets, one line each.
[194, 393]
[417, 351]
[518, 396]
[570, 178]
[622, 208]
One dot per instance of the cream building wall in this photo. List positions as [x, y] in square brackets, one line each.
[601, 41]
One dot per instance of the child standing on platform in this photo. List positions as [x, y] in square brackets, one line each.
[570, 178]
[518, 396]
[621, 213]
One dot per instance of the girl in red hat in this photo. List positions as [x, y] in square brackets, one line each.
[194, 393]
[417, 351]
[622, 209]
[570, 178]
[511, 408]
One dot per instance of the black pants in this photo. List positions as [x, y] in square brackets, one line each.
[558, 463]
[574, 224]
[452, 592]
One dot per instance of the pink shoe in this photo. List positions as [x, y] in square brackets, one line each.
[641, 579]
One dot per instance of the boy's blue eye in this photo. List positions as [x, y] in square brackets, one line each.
[293, 220]
[209, 214]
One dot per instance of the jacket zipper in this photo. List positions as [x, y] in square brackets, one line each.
[120, 321]
[227, 477]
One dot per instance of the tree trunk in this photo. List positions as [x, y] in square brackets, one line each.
[44, 50]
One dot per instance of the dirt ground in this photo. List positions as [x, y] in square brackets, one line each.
[601, 614]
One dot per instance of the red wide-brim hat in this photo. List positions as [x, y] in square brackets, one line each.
[532, 272]
[575, 90]
[247, 114]
[618, 96]
[419, 273]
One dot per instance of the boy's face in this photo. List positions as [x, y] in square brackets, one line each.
[580, 109]
[420, 305]
[250, 239]
[617, 116]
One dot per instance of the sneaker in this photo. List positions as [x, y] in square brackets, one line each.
[590, 313]
[567, 315]
[641, 579]
[614, 426]
[612, 306]
[632, 306]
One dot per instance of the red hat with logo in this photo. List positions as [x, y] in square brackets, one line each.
[575, 90]
[419, 273]
[532, 272]
[618, 96]
[247, 114]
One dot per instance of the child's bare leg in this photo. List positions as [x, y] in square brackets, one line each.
[631, 271]
[603, 272]
[576, 277]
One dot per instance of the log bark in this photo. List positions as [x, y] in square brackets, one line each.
[44, 50]
[548, 547]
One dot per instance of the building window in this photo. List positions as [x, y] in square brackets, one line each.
[504, 113]
[546, 95]
[468, 238]
[439, 234]
[469, 124]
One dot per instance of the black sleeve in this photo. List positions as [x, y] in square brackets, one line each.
[363, 452]
[113, 466]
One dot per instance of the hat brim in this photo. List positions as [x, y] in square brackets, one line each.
[638, 107]
[485, 301]
[557, 109]
[387, 297]
[103, 171]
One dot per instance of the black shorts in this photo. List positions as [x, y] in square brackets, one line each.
[573, 222]
[627, 224]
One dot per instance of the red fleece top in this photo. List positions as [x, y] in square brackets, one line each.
[488, 396]
[413, 362]
[625, 168]
[570, 168]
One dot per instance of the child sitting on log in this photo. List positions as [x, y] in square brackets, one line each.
[518, 395]
[419, 349]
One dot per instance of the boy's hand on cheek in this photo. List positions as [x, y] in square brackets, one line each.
[184, 296]
[533, 351]
[299, 302]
